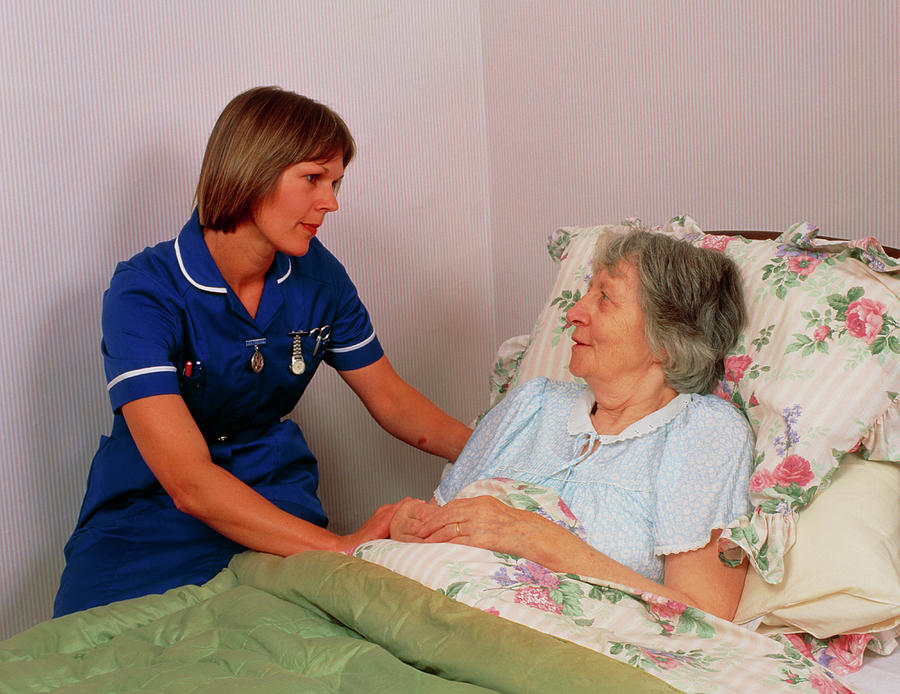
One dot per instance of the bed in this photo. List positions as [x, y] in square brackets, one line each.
[817, 372]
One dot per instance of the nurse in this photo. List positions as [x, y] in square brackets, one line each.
[209, 340]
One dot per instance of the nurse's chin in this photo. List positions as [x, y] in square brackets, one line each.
[297, 248]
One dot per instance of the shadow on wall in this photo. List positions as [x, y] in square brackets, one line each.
[66, 411]
[67, 408]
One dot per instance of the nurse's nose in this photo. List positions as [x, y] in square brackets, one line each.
[328, 202]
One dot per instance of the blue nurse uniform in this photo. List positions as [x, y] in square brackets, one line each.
[172, 325]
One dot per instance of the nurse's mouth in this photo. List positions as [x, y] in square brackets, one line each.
[311, 228]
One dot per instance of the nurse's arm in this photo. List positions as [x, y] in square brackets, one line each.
[404, 412]
[175, 450]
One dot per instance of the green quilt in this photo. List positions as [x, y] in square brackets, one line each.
[314, 622]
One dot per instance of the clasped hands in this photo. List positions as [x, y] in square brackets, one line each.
[480, 521]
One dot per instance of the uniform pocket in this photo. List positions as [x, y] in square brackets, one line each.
[192, 384]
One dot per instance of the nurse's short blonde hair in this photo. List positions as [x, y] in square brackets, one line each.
[259, 134]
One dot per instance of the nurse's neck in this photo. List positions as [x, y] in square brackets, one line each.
[242, 262]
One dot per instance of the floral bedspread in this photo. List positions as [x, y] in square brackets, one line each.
[689, 649]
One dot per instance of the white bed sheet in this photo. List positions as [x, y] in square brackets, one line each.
[880, 674]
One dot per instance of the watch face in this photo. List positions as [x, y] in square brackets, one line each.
[298, 366]
[257, 362]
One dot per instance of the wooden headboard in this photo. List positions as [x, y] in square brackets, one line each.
[765, 235]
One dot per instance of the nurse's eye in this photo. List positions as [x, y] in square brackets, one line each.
[336, 186]
[312, 178]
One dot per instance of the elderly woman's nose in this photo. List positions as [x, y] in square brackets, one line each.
[577, 315]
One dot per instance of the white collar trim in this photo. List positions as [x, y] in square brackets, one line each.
[209, 288]
[580, 418]
[287, 273]
[187, 276]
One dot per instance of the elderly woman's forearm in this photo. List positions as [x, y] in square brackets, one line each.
[689, 578]
[527, 535]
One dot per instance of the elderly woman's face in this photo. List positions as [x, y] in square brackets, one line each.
[609, 337]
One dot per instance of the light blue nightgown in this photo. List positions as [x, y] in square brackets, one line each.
[659, 487]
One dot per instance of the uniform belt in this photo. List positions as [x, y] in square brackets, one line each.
[238, 435]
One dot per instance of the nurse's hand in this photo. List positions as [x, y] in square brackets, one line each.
[411, 515]
[377, 527]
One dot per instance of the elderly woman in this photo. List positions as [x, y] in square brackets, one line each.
[651, 463]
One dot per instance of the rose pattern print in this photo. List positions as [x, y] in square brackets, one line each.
[653, 659]
[792, 266]
[762, 479]
[842, 654]
[503, 373]
[557, 244]
[716, 243]
[740, 370]
[793, 470]
[803, 264]
[564, 302]
[790, 477]
[682, 645]
[538, 598]
[821, 333]
[736, 367]
[849, 317]
[538, 587]
[852, 322]
[790, 466]
[865, 319]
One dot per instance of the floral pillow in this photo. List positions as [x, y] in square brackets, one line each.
[816, 369]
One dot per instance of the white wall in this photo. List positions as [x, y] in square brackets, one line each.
[106, 110]
[746, 115]
[481, 127]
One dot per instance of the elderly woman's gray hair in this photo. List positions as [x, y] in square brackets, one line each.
[692, 299]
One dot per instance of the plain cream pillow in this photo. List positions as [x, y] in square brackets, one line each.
[843, 574]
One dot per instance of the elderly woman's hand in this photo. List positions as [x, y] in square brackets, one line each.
[484, 521]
